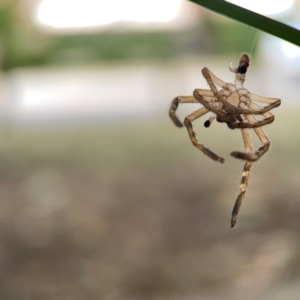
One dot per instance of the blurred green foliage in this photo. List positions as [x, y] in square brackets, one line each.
[23, 45]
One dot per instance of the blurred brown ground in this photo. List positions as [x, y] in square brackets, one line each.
[135, 212]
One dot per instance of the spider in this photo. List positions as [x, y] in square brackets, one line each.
[234, 105]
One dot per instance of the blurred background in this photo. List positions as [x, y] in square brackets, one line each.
[101, 196]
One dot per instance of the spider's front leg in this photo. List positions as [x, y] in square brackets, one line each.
[174, 106]
[185, 99]
[209, 97]
[188, 124]
[212, 81]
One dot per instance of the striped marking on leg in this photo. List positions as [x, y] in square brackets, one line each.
[243, 188]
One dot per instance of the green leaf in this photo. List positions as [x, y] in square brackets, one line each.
[252, 19]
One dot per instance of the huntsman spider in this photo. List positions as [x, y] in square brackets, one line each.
[234, 105]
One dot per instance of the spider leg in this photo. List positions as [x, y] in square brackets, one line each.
[249, 125]
[269, 118]
[212, 80]
[256, 109]
[204, 100]
[261, 111]
[254, 106]
[245, 175]
[250, 157]
[264, 99]
[260, 151]
[240, 197]
[208, 94]
[188, 124]
[174, 105]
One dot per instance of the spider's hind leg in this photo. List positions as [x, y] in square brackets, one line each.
[249, 156]
[246, 172]
[240, 197]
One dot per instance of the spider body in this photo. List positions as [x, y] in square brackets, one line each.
[234, 105]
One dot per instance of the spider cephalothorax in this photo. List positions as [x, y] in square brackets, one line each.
[231, 104]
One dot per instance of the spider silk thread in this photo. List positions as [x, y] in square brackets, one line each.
[254, 42]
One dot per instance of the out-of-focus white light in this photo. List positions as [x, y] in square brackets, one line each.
[264, 7]
[87, 13]
[290, 50]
